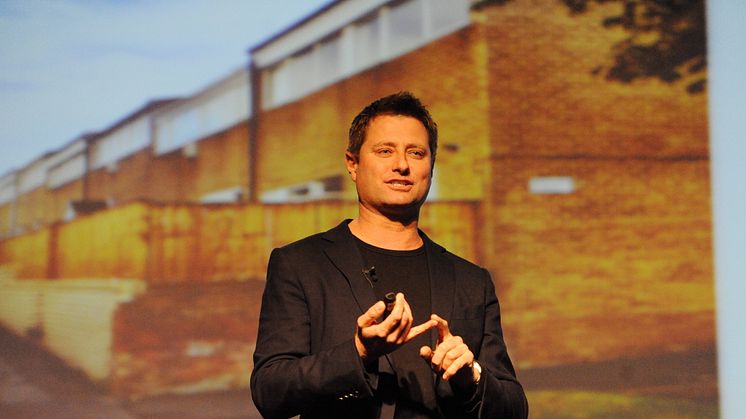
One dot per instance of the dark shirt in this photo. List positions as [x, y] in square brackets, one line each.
[406, 271]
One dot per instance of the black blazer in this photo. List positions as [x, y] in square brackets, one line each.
[306, 362]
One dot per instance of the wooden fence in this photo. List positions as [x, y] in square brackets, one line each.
[191, 242]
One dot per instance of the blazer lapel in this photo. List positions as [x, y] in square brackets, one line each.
[343, 252]
[442, 283]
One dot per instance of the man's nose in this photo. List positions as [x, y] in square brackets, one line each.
[401, 163]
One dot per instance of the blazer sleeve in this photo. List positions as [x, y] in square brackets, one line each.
[287, 378]
[502, 396]
[498, 394]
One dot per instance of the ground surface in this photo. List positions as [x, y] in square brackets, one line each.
[36, 385]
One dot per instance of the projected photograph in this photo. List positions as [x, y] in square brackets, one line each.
[573, 164]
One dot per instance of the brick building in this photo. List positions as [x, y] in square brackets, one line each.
[587, 199]
[593, 194]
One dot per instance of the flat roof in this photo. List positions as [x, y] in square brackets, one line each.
[309, 30]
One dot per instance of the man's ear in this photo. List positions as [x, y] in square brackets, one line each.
[351, 163]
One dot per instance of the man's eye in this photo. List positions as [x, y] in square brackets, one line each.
[417, 153]
[384, 151]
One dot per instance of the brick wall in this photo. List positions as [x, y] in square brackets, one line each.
[545, 101]
[623, 265]
[127, 180]
[7, 218]
[306, 139]
[620, 267]
[171, 177]
[222, 162]
[32, 209]
[59, 199]
[186, 337]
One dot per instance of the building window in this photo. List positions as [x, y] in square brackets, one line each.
[315, 190]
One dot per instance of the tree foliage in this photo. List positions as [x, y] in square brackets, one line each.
[666, 39]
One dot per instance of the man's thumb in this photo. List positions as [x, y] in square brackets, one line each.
[369, 317]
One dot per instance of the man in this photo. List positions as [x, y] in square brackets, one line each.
[329, 347]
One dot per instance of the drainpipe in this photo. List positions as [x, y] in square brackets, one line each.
[87, 169]
[254, 120]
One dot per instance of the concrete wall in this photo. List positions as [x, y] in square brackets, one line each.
[72, 319]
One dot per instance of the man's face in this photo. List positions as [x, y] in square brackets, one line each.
[393, 170]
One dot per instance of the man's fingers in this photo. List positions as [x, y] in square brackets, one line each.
[462, 361]
[391, 327]
[420, 329]
[451, 354]
[440, 357]
[395, 330]
[426, 353]
[443, 331]
[369, 317]
[405, 323]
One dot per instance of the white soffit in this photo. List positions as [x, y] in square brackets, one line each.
[335, 18]
[71, 150]
[238, 78]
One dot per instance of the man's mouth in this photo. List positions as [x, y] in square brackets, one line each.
[399, 182]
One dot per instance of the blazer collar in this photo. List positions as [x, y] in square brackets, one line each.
[343, 252]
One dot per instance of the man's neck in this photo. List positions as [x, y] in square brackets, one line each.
[381, 231]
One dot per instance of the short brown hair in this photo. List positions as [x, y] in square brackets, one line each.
[402, 103]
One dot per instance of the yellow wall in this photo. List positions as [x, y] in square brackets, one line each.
[203, 243]
[27, 256]
[6, 218]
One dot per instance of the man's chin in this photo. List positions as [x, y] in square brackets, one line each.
[402, 211]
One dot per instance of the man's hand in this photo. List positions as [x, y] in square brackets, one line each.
[451, 357]
[374, 340]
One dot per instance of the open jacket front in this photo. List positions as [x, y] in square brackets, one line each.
[306, 361]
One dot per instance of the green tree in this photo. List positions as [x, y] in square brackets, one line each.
[667, 39]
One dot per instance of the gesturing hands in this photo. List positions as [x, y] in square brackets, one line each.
[451, 357]
[374, 340]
